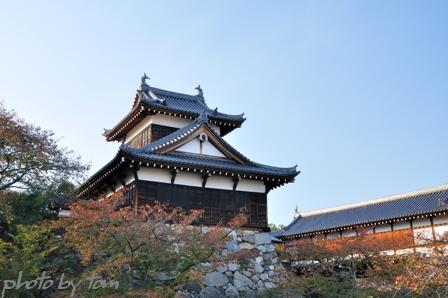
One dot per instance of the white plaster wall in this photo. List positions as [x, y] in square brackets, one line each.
[422, 235]
[424, 250]
[251, 185]
[172, 121]
[209, 149]
[216, 129]
[159, 119]
[334, 235]
[390, 252]
[348, 233]
[402, 225]
[219, 182]
[383, 228]
[404, 251]
[194, 146]
[443, 219]
[190, 179]
[441, 231]
[190, 147]
[195, 179]
[154, 174]
[421, 222]
[64, 213]
[369, 231]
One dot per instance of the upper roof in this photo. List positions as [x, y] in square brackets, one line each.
[150, 100]
[194, 104]
[162, 153]
[396, 207]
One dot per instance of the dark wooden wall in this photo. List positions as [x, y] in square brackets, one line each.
[150, 134]
[219, 206]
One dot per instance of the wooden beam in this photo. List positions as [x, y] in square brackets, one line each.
[122, 180]
[268, 187]
[111, 186]
[135, 169]
[204, 179]
[236, 180]
[413, 235]
[433, 229]
[393, 237]
[173, 175]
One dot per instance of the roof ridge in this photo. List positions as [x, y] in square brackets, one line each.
[174, 93]
[395, 197]
[197, 99]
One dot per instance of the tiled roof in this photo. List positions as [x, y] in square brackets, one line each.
[192, 160]
[431, 200]
[186, 103]
[156, 100]
[148, 153]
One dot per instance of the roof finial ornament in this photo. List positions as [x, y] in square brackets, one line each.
[296, 213]
[143, 86]
[200, 92]
[204, 116]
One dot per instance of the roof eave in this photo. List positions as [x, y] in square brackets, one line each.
[363, 224]
[289, 177]
[143, 108]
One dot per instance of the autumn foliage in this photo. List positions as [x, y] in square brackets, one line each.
[153, 248]
[31, 158]
[367, 263]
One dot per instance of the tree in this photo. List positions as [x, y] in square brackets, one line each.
[30, 157]
[274, 227]
[362, 262]
[31, 250]
[155, 249]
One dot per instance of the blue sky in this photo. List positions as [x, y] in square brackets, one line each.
[354, 92]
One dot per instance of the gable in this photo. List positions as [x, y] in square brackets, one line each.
[200, 139]
[197, 147]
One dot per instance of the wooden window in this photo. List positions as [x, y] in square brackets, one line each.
[151, 134]
[142, 139]
[145, 137]
[160, 131]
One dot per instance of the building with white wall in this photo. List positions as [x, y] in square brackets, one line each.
[407, 221]
[173, 151]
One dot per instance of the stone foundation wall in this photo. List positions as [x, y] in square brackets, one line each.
[257, 269]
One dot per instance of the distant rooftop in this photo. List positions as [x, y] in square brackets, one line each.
[399, 206]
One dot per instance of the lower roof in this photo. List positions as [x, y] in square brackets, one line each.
[402, 206]
[150, 156]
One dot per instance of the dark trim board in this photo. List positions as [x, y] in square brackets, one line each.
[220, 206]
